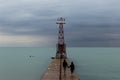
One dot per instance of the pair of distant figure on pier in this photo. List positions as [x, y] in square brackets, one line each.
[65, 65]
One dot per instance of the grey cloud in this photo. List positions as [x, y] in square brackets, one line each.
[93, 35]
[87, 22]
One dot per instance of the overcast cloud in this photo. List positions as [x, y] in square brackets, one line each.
[31, 23]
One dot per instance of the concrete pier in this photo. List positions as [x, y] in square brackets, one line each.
[53, 72]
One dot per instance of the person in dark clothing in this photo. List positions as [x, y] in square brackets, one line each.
[72, 67]
[65, 65]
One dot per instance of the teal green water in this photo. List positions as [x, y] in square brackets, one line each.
[30, 63]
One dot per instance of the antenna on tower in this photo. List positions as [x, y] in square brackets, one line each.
[60, 21]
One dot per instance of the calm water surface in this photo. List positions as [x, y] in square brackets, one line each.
[30, 63]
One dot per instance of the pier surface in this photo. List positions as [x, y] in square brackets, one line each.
[53, 72]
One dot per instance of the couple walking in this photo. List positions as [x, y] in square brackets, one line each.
[65, 65]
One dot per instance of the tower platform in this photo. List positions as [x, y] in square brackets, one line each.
[53, 72]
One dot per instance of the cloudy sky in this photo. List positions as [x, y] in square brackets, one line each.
[32, 23]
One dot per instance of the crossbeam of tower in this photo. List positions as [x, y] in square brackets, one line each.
[61, 46]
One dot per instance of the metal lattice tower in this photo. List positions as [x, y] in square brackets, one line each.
[61, 46]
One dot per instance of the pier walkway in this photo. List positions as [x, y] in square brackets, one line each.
[53, 72]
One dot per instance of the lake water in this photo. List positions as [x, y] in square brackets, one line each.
[30, 63]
